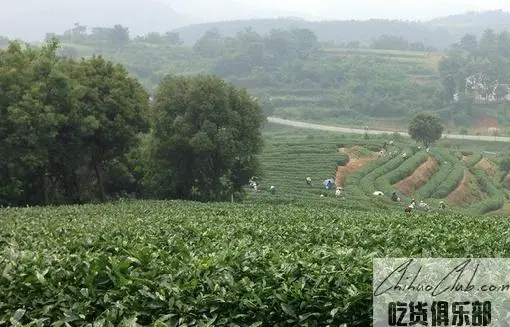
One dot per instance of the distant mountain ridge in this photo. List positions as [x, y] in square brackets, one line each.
[329, 31]
[30, 20]
[440, 32]
[490, 17]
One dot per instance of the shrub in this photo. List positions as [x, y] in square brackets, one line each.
[446, 166]
[373, 147]
[475, 158]
[496, 197]
[142, 260]
[504, 163]
[384, 183]
[368, 181]
[343, 160]
[452, 180]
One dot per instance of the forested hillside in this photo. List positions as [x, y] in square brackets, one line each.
[291, 71]
[329, 31]
[297, 75]
[439, 33]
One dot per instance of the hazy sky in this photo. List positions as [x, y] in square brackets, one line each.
[365, 9]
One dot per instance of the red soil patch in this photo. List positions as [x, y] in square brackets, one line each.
[355, 162]
[464, 194]
[418, 178]
[467, 158]
[507, 178]
[487, 166]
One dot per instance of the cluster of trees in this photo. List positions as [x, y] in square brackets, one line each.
[249, 50]
[295, 59]
[116, 37]
[487, 60]
[490, 55]
[282, 59]
[73, 131]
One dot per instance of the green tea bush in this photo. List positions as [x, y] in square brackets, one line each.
[445, 168]
[475, 158]
[343, 160]
[367, 183]
[452, 180]
[496, 196]
[158, 263]
[352, 185]
[385, 182]
[450, 184]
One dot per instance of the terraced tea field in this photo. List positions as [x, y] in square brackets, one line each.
[464, 179]
[430, 59]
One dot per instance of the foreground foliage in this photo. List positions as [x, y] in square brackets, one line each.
[186, 264]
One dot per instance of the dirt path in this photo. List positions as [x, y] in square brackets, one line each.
[347, 130]
[355, 163]
[418, 178]
[487, 166]
[506, 179]
[464, 194]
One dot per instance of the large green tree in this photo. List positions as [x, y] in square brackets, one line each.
[426, 128]
[205, 136]
[66, 126]
[118, 106]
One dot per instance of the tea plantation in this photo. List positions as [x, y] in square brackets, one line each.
[291, 154]
[189, 264]
[290, 259]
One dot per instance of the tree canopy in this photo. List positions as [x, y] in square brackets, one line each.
[426, 128]
[75, 131]
[65, 126]
[204, 140]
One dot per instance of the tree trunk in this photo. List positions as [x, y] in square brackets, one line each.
[100, 182]
[45, 187]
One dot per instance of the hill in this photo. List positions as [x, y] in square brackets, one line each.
[489, 18]
[473, 22]
[329, 31]
[30, 20]
[289, 70]
[439, 33]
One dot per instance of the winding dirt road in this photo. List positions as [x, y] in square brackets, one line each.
[347, 130]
